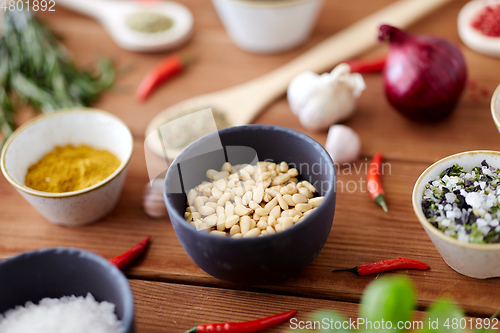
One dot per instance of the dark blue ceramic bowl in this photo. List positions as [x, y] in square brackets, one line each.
[58, 272]
[263, 259]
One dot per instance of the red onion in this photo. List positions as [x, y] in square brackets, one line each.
[424, 76]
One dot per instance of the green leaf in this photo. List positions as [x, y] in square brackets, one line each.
[391, 299]
[443, 316]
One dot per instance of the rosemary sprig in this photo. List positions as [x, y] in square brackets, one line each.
[35, 67]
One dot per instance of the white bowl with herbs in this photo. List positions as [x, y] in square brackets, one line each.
[69, 165]
[457, 202]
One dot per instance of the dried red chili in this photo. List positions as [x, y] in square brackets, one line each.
[374, 65]
[167, 68]
[123, 260]
[373, 181]
[246, 326]
[386, 265]
[488, 21]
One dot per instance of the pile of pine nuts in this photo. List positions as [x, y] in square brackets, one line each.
[250, 200]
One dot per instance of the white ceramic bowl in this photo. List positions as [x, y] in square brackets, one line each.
[95, 128]
[495, 107]
[268, 26]
[470, 36]
[474, 260]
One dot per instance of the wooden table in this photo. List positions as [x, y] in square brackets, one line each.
[172, 294]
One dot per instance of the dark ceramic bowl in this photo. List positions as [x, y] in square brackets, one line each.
[263, 259]
[58, 272]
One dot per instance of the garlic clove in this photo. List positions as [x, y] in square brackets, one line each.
[153, 203]
[343, 144]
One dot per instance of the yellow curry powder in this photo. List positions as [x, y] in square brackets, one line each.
[71, 168]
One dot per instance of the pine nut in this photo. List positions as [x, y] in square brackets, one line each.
[249, 169]
[275, 212]
[190, 209]
[237, 236]
[241, 210]
[293, 212]
[245, 175]
[198, 203]
[267, 197]
[223, 199]
[216, 193]
[281, 179]
[212, 204]
[253, 223]
[263, 233]
[218, 233]
[315, 202]
[231, 220]
[258, 195]
[296, 218]
[188, 217]
[252, 233]
[226, 167]
[271, 220]
[191, 196]
[294, 180]
[212, 199]
[282, 202]
[293, 172]
[220, 175]
[309, 186]
[261, 211]
[221, 184]
[299, 198]
[252, 204]
[305, 192]
[238, 191]
[210, 173]
[303, 207]
[270, 230]
[309, 212]
[206, 210]
[235, 229]
[245, 224]
[272, 192]
[229, 209]
[283, 167]
[237, 201]
[278, 228]
[196, 215]
[271, 204]
[211, 220]
[286, 223]
[246, 198]
[288, 199]
[262, 225]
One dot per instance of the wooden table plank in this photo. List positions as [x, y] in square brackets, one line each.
[166, 307]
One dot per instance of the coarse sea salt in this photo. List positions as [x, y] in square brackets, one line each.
[69, 314]
[465, 205]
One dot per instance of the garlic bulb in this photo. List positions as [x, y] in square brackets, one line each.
[323, 100]
[343, 144]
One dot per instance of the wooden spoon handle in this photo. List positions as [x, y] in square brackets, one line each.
[342, 46]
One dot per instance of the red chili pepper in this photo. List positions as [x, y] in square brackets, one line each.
[374, 65]
[167, 68]
[386, 265]
[123, 260]
[246, 326]
[373, 181]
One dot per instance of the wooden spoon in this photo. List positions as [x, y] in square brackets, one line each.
[240, 104]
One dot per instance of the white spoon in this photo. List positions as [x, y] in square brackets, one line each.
[114, 14]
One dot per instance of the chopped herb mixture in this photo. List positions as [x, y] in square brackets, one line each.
[465, 205]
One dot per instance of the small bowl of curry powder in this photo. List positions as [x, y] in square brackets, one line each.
[69, 165]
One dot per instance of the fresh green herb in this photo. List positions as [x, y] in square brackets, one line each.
[36, 67]
[390, 300]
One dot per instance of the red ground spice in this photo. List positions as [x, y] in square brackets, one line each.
[488, 21]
